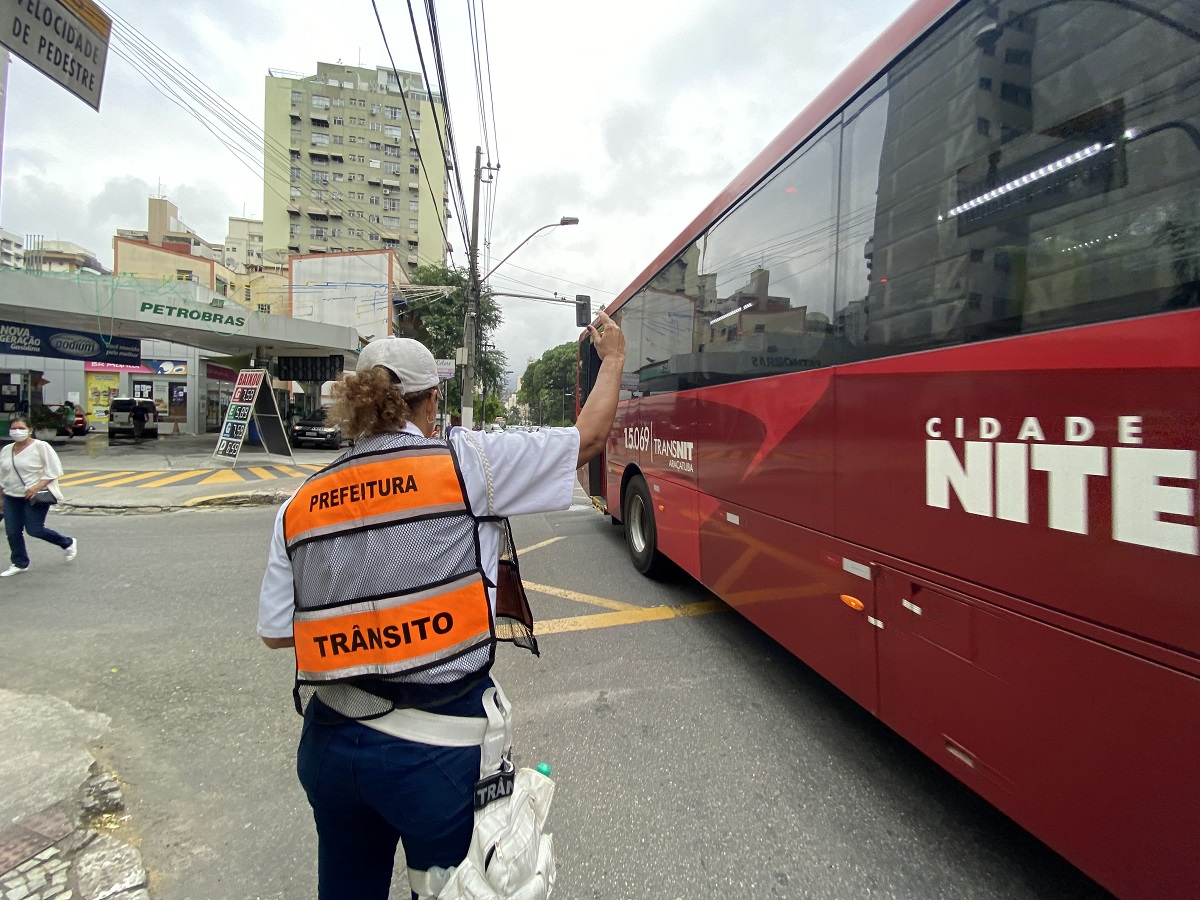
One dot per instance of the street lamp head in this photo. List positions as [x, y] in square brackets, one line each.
[568, 220]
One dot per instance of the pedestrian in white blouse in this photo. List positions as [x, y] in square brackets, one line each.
[28, 465]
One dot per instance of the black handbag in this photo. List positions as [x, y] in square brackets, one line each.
[44, 497]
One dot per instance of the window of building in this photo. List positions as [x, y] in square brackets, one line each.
[336, 195]
[391, 150]
[338, 176]
[337, 120]
[1015, 57]
[414, 153]
[295, 174]
[338, 101]
[375, 164]
[391, 222]
[414, 170]
[319, 139]
[375, 126]
[296, 135]
[373, 236]
[374, 145]
[320, 102]
[375, 109]
[393, 131]
[413, 205]
[374, 199]
[373, 219]
[1015, 93]
[295, 191]
[297, 97]
[318, 232]
[393, 112]
[337, 139]
[416, 133]
[319, 177]
[336, 232]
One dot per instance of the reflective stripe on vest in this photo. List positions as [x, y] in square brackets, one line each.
[396, 634]
[390, 487]
[392, 624]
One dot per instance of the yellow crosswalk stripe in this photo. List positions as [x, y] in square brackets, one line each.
[262, 473]
[287, 471]
[627, 617]
[223, 476]
[103, 477]
[132, 478]
[171, 479]
[580, 598]
[66, 478]
[311, 467]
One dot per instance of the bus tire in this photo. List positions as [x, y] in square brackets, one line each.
[641, 534]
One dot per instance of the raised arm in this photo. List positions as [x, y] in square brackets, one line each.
[596, 418]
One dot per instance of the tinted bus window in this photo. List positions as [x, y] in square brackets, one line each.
[1015, 172]
[1035, 171]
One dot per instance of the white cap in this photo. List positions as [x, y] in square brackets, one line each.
[408, 360]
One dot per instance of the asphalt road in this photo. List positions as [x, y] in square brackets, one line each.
[693, 757]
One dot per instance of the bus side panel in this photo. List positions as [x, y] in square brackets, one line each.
[996, 464]
[675, 520]
[790, 582]
[1091, 748]
[769, 445]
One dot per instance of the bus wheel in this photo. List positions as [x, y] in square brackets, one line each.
[640, 534]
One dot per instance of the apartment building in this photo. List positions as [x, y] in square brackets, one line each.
[12, 250]
[353, 163]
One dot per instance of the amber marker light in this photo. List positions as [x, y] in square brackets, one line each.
[852, 602]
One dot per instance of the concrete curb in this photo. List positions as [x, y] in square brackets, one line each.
[240, 498]
[213, 501]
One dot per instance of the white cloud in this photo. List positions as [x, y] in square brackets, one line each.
[631, 116]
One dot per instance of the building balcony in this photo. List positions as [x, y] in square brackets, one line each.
[315, 212]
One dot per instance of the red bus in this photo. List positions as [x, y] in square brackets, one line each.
[919, 395]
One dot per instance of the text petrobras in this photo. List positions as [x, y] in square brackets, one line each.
[678, 454]
[988, 472]
[196, 315]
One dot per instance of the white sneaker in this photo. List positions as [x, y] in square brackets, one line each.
[71, 549]
[12, 570]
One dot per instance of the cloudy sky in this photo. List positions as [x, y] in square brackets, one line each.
[630, 115]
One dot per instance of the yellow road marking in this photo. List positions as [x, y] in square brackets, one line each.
[63, 478]
[171, 479]
[541, 545]
[76, 481]
[224, 476]
[130, 479]
[627, 617]
[262, 473]
[311, 467]
[580, 598]
[286, 471]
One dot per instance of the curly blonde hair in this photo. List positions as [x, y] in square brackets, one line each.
[367, 403]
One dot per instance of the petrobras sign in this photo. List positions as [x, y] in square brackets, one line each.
[987, 466]
[37, 340]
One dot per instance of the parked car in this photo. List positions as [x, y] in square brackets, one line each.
[315, 429]
[120, 419]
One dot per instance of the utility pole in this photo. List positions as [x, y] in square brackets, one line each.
[468, 382]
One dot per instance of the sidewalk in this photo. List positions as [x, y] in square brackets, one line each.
[174, 472]
[54, 801]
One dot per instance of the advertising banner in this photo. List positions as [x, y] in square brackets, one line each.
[37, 340]
[253, 400]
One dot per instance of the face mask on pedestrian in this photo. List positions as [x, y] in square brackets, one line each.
[18, 434]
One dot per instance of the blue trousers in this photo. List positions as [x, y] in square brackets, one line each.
[369, 791]
[21, 516]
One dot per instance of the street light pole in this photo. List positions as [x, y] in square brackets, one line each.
[473, 291]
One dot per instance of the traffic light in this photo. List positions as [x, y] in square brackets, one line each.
[583, 310]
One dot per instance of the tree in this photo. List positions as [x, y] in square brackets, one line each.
[547, 382]
[437, 322]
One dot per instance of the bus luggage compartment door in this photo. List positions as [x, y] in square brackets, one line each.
[1089, 747]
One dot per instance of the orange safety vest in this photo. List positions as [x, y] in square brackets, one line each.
[386, 568]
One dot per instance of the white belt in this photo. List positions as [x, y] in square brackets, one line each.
[431, 728]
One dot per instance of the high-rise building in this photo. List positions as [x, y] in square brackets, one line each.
[12, 250]
[244, 243]
[354, 162]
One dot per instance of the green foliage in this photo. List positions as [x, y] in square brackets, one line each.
[548, 386]
[438, 324]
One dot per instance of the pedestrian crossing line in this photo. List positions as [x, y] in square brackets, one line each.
[311, 467]
[64, 479]
[171, 479]
[582, 598]
[71, 481]
[222, 476]
[128, 480]
[263, 473]
[286, 471]
[627, 617]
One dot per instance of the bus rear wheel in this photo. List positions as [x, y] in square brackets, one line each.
[641, 534]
